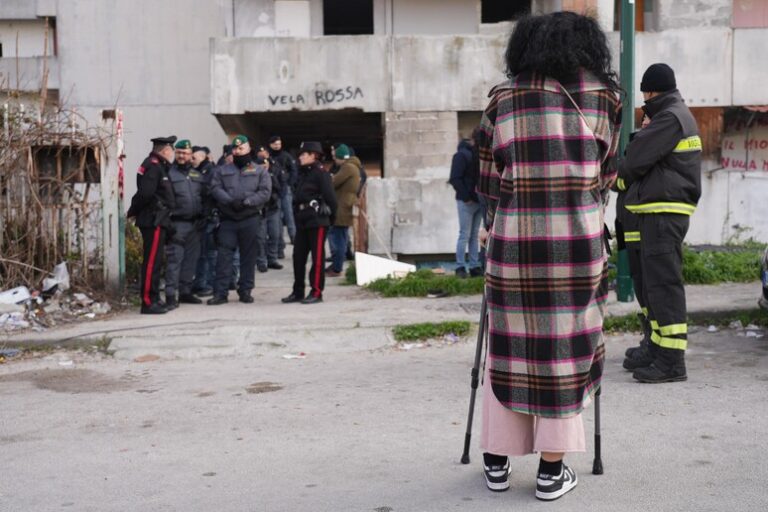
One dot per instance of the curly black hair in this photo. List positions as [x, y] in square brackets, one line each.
[557, 45]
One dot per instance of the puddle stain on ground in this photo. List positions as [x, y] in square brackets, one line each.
[68, 380]
[263, 387]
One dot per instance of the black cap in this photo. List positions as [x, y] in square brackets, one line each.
[311, 147]
[164, 140]
[226, 149]
[658, 78]
[195, 149]
[274, 138]
[206, 149]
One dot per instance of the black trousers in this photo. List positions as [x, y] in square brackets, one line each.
[154, 248]
[636, 271]
[661, 255]
[309, 241]
[232, 235]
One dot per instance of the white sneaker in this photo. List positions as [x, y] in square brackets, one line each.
[549, 487]
[497, 477]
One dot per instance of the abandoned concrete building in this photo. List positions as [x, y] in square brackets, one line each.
[399, 80]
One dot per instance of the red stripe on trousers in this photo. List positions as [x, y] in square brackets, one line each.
[150, 266]
[319, 260]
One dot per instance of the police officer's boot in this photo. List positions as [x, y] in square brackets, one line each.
[668, 366]
[154, 309]
[646, 324]
[171, 303]
[188, 298]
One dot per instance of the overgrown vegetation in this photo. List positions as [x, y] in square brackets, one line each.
[425, 331]
[350, 275]
[424, 282]
[134, 252]
[737, 264]
[631, 322]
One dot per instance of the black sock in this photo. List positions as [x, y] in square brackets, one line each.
[550, 468]
[491, 459]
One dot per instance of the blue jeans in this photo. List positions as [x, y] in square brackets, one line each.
[338, 238]
[206, 264]
[270, 231]
[470, 217]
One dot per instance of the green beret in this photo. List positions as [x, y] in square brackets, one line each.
[183, 144]
[239, 140]
[342, 152]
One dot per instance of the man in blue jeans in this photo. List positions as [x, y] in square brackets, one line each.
[464, 180]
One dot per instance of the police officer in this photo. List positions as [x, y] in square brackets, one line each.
[662, 172]
[241, 190]
[314, 207]
[273, 222]
[188, 220]
[288, 164]
[151, 206]
[205, 273]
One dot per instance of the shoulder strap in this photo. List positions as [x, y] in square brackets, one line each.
[583, 118]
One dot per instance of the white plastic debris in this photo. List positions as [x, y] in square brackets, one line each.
[300, 355]
[59, 276]
[66, 362]
[712, 328]
[736, 324]
[752, 327]
[15, 295]
[82, 299]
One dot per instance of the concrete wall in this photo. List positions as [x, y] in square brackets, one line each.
[672, 14]
[29, 35]
[419, 17]
[27, 74]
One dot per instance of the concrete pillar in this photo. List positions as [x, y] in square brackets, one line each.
[415, 142]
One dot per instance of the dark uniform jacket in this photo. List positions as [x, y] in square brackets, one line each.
[241, 193]
[153, 202]
[661, 171]
[314, 184]
[188, 189]
[279, 183]
[288, 165]
[206, 170]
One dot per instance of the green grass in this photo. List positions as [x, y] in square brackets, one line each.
[425, 331]
[631, 322]
[739, 265]
[350, 276]
[624, 323]
[423, 282]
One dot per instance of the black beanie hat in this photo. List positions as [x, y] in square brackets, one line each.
[658, 78]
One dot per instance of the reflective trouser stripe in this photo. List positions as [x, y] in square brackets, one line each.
[688, 145]
[645, 311]
[669, 342]
[672, 330]
[621, 184]
[631, 236]
[679, 208]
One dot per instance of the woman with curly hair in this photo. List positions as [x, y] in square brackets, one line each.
[549, 135]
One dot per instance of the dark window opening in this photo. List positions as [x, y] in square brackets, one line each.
[497, 11]
[1, 49]
[52, 35]
[57, 166]
[347, 17]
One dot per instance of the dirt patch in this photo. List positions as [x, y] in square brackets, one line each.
[258, 388]
[68, 381]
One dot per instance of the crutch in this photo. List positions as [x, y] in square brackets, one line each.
[597, 464]
[475, 379]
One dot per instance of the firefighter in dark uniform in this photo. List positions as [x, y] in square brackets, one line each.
[628, 238]
[241, 190]
[188, 219]
[662, 172]
[151, 206]
[314, 208]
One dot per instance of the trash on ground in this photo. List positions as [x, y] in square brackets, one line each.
[146, 358]
[409, 346]
[9, 353]
[82, 299]
[66, 362]
[712, 328]
[736, 324]
[752, 327]
[451, 338]
[436, 294]
[300, 355]
[58, 279]
[15, 295]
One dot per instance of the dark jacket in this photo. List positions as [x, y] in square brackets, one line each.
[279, 183]
[463, 176]
[241, 193]
[188, 188]
[314, 184]
[661, 171]
[206, 170]
[153, 202]
[288, 164]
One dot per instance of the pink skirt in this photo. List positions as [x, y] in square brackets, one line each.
[507, 432]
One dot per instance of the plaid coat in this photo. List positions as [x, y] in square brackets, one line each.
[545, 175]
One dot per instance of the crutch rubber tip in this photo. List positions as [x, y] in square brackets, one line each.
[597, 467]
[465, 459]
